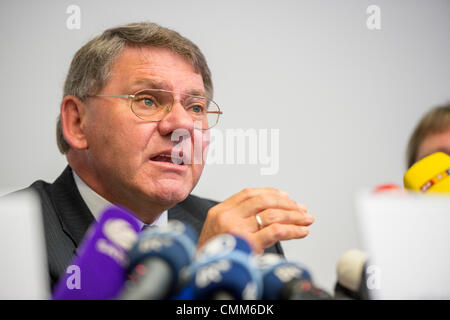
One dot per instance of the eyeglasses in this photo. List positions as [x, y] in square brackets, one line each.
[155, 104]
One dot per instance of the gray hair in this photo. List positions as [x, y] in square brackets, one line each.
[91, 66]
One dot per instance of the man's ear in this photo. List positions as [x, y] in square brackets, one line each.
[73, 122]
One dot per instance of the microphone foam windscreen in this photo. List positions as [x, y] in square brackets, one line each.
[430, 174]
[173, 243]
[97, 272]
[277, 272]
[350, 268]
[226, 264]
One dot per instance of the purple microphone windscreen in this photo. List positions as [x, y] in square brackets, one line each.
[97, 272]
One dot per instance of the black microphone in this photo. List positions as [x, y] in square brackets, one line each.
[225, 270]
[351, 276]
[303, 289]
[284, 280]
[157, 261]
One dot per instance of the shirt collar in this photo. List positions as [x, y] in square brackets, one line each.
[97, 203]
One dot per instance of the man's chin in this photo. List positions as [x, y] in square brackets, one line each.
[169, 196]
[167, 192]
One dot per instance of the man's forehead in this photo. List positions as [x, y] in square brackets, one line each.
[156, 68]
[153, 58]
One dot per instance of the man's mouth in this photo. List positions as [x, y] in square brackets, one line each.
[168, 158]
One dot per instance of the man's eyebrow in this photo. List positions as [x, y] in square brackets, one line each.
[150, 84]
[196, 92]
[156, 84]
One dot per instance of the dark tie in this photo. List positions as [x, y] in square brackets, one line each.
[147, 226]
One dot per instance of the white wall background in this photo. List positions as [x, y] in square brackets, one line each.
[345, 98]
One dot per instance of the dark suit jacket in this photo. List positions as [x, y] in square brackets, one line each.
[67, 218]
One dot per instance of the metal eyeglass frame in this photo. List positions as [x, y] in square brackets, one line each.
[132, 96]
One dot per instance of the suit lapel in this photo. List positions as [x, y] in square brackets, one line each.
[187, 213]
[73, 213]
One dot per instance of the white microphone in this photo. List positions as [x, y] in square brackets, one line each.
[351, 276]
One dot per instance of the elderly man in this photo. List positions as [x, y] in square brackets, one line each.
[127, 96]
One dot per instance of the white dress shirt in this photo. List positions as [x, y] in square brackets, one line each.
[97, 203]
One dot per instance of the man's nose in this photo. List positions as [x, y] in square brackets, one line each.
[176, 118]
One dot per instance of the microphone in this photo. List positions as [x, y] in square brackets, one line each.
[98, 270]
[225, 269]
[157, 261]
[283, 280]
[430, 174]
[351, 276]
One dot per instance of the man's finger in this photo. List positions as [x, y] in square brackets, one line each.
[259, 203]
[273, 233]
[270, 216]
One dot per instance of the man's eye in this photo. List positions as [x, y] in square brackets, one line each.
[197, 109]
[149, 102]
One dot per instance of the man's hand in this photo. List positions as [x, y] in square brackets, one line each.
[281, 217]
